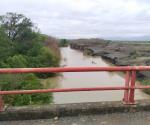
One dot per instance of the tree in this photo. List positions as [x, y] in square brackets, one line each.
[15, 24]
[5, 46]
[63, 43]
[22, 46]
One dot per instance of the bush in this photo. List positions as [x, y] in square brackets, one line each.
[63, 43]
[46, 58]
[135, 54]
[146, 82]
[28, 82]
[17, 61]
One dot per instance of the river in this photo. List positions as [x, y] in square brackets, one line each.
[72, 57]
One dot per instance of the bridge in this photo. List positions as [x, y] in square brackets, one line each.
[126, 104]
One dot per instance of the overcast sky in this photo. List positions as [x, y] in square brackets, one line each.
[85, 18]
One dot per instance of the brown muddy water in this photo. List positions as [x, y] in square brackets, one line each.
[72, 57]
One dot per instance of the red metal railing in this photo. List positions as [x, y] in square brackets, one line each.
[129, 88]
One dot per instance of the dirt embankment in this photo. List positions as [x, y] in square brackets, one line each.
[52, 43]
[120, 54]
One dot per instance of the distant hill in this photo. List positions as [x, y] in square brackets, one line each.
[136, 38]
[90, 40]
[143, 39]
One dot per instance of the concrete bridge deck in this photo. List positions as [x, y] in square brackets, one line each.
[130, 118]
[99, 113]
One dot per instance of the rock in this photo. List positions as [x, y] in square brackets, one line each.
[103, 123]
[56, 118]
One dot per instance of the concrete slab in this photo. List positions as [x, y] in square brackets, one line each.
[128, 118]
[76, 109]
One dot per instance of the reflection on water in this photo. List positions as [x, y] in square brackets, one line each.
[72, 57]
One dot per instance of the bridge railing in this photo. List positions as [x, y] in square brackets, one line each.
[129, 85]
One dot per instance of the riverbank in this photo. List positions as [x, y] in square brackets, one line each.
[118, 53]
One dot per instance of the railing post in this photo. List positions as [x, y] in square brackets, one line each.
[1, 104]
[132, 85]
[127, 83]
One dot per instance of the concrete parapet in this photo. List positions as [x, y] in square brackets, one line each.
[75, 109]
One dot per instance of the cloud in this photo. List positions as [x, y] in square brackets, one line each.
[85, 18]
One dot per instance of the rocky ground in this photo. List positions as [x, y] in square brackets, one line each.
[118, 53]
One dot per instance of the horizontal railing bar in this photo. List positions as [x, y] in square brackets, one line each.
[141, 87]
[74, 69]
[71, 90]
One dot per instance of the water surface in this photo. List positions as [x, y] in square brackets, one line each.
[72, 57]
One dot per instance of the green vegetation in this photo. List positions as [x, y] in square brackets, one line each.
[23, 82]
[135, 54]
[63, 43]
[146, 82]
[22, 45]
[87, 52]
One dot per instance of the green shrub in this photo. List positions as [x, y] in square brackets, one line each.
[63, 43]
[17, 61]
[28, 82]
[135, 54]
[46, 58]
[146, 82]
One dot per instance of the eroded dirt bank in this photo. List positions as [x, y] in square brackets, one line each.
[118, 53]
